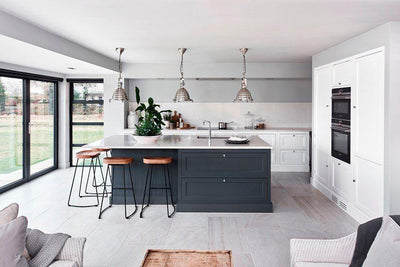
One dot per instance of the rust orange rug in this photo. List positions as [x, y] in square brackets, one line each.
[187, 258]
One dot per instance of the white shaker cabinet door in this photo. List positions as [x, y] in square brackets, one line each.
[323, 167]
[342, 181]
[368, 108]
[369, 187]
[343, 73]
[323, 79]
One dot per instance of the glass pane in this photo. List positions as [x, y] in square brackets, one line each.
[41, 125]
[84, 134]
[88, 91]
[10, 130]
[87, 113]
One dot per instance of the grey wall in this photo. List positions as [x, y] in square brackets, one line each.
[208, 91]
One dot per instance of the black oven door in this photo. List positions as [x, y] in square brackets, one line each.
[341, 144]
[341, 108]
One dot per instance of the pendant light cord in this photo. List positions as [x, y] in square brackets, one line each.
[119, 66]
[244, 66]
[181, 70]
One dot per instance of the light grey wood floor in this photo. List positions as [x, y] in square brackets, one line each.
[256, 239]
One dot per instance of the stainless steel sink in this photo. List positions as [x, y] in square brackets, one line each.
[212, 137]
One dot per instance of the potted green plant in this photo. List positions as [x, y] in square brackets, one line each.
[148, 128]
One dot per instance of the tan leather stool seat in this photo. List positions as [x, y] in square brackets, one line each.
[101, 149]
[87, 154]
[117, 161]
[157, 160]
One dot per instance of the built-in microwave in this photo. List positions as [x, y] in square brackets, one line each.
[341, 103]
[340, 139]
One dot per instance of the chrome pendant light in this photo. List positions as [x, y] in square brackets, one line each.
[182, 95]
[119, 93]
[244, 94]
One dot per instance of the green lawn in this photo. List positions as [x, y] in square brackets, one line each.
[41, 141]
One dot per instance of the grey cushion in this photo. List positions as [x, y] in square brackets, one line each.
[385, 250]
[12, 243]
[366, 233]
[8, 214]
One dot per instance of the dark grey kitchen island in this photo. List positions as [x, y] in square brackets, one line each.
[215, 177]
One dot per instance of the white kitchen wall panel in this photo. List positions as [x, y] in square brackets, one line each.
[368, 107]
[368, 178]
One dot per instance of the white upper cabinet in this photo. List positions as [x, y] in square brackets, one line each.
[368, 108]
[343, 73]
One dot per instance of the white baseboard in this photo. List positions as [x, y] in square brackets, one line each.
[353, 211]
[290, 168]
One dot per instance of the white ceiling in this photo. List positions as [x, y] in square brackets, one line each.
[21, 53]
[213, 30]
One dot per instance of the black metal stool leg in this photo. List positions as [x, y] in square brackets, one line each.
[95, 182]
[88, 176]
[150, 181]
[101, 171]
[132, 187]
[80, 184]
[72, 184]
[170, 192]
[144, 191]
[103, 195]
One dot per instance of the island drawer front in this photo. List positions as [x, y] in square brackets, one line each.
[223, 190]
[222, 163]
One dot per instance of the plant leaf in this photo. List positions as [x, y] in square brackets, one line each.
[137, 91]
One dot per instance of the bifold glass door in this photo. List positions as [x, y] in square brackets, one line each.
[41, 125]
[28, 129]
[11, 130]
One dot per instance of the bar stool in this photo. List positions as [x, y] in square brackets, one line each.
[152, 162]
[94, 157]
[121, 162]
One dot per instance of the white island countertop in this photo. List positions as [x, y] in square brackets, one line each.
[175, 142]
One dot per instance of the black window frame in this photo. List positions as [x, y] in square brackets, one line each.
[26, 78]
[71, 103]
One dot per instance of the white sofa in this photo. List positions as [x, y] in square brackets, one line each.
[322, 253]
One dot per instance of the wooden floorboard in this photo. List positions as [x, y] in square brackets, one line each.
[256, 239]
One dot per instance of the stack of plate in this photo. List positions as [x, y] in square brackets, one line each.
[237, 140]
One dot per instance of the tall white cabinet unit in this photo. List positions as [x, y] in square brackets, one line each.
[356, 187]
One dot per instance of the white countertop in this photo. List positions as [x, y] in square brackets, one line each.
[228, 132]
[175, 142]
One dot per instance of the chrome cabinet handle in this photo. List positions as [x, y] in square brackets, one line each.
[223, 155]
[224, 180]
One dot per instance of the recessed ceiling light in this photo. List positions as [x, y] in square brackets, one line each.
[71, 68]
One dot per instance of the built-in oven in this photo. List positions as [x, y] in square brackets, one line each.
[341, 103]
[340, 142]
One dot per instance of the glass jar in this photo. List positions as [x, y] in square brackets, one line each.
[248, 120]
